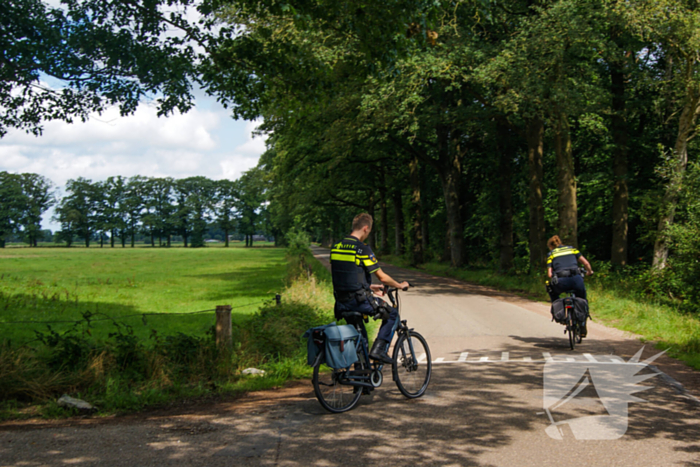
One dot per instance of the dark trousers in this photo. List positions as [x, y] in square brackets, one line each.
[387, 328]
[566, 284]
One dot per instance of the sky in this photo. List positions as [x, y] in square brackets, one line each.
[205, 141]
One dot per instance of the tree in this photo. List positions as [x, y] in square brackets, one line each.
[38, 197]
[226, 202]
[12, 204]
[101, 53]
[77, 212]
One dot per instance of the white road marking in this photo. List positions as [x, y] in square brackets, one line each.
[569, 359]
[463, 357]
[484, 359]
[439, 360]
[504, 356]
[527, 359]
[422, 358]
[590, 358]
[547, 357]
[616, 359]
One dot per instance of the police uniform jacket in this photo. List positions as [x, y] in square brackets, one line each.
[564, 261]
[352, 266]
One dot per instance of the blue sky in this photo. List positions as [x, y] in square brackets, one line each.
[205, 141]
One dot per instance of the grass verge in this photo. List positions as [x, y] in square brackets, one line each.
[616, 299]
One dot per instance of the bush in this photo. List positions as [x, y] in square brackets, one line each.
[297, 242]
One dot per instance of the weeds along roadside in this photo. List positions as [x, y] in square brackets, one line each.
[126, 372]
[628, 300]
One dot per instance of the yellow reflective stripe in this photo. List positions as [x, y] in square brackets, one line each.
[343, 252]
[368, 262]
[337, 257]
[563, 252]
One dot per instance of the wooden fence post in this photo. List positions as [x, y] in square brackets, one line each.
[223, 326]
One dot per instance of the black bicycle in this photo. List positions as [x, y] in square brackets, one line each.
[339, 390]
[573, 325]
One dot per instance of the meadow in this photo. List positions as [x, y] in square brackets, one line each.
[61, 285]
[120, 329]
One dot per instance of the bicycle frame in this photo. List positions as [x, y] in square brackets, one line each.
[399, 327]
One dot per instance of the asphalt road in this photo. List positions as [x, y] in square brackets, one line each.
[498, 361]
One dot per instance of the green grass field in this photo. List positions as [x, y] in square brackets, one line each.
[60, 284]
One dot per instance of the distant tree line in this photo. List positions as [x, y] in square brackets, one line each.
[119, 209]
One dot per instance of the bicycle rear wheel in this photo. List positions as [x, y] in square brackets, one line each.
[413, 365]
[332, 395]
[571, 327]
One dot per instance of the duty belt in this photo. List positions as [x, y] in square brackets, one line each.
[359, 295]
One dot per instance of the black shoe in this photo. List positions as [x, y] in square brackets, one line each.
[378, 352]
[584, 330]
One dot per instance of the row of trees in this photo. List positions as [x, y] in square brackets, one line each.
[120, 208]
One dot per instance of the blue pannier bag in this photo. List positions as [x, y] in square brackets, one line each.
[317, 339]
[341, 346]
[339, 343]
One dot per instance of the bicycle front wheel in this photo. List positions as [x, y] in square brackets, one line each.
[332, 395]
[412, 366]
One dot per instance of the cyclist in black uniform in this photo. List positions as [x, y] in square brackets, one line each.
[562, 264]
[352, 266]
[563, 270]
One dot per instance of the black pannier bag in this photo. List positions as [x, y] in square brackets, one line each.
[580, 309]
[559, 311]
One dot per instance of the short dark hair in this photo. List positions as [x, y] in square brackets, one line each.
[362, 220]
[554, 242]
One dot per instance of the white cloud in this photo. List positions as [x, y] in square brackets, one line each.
[201, 142]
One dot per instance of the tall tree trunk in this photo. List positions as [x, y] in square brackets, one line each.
[226, 233]
[153, 240]
[87, 241]
[184, 239]
[424, 208]
[384, 221]
[102, 240]
[505, 202]
[133, 237]
[111, 238]
[417, 253]
[372, 239]
[169, 239]
[566, 184]
[450, 174]
[686, 128]
[447, 251]
[618, 253]
[398, 223]
[2, 243]
[537, 240]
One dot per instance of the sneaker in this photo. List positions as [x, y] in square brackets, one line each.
[584, 330]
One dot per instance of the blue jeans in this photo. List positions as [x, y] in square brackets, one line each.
[386, 331]
[565, 284]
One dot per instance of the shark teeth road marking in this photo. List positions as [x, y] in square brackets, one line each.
[463, 357]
